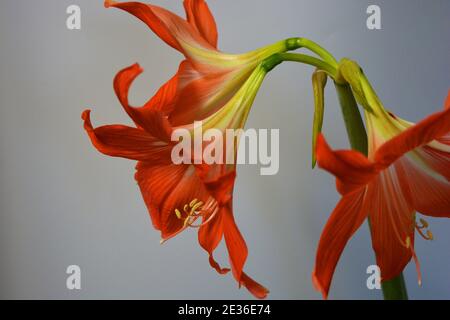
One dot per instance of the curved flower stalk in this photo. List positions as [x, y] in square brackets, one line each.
[207, 78]
[407, 170]
[190, 194]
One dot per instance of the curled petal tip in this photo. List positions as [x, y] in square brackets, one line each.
[86, 116]
[137, 68]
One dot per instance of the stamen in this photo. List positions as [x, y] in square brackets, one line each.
[416, 261]
[194, 209]
[428, 235]
[196, 206]
[193, 202]
[178, 213]
[423, 222]
[408, 242]
[211, 216]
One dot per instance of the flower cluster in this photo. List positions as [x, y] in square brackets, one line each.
[405, 170]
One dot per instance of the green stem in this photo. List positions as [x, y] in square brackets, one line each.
[352, 117]
[296, 43]
[306, 59]
[394, 289]
[320, 51]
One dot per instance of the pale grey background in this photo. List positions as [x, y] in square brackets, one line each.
[63, 203]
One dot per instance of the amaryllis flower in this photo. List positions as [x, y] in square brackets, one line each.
[207, 78]
[179, 196]
[407, 171]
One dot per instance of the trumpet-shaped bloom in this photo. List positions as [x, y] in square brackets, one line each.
[207, 78]
[407, 171]
[179, 196]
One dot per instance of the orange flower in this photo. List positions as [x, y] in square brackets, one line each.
[179, 195]
[407, 170]
[207, 78]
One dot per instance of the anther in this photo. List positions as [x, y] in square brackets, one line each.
[424, 222]
[428, 235]
[408, 242]
[178, 213]
[191, 211]
[191, 204]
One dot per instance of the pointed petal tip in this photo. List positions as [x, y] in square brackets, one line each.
[255, 288]
[136, 67]
[260, 293]
[109, 3]
[263, 295]
[319, 287]
[447, 101]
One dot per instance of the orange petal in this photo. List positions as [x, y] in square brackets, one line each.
[221, 187]
[254, 287]
[125, 142]
[216, 265]
[346, 218]
[237, 250]
[164, 100]
[430, 193]
[150, 117]
[166, 188]
[209, 237]
[392, 220]
[195, 93]
[431, 128]
[189, 187]
[171, 28]
[447, 101]
[351, 168]
[156, 182]
[438, 159]
[199, 16]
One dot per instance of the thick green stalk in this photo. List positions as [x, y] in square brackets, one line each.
[394, 289]
[352, 117]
